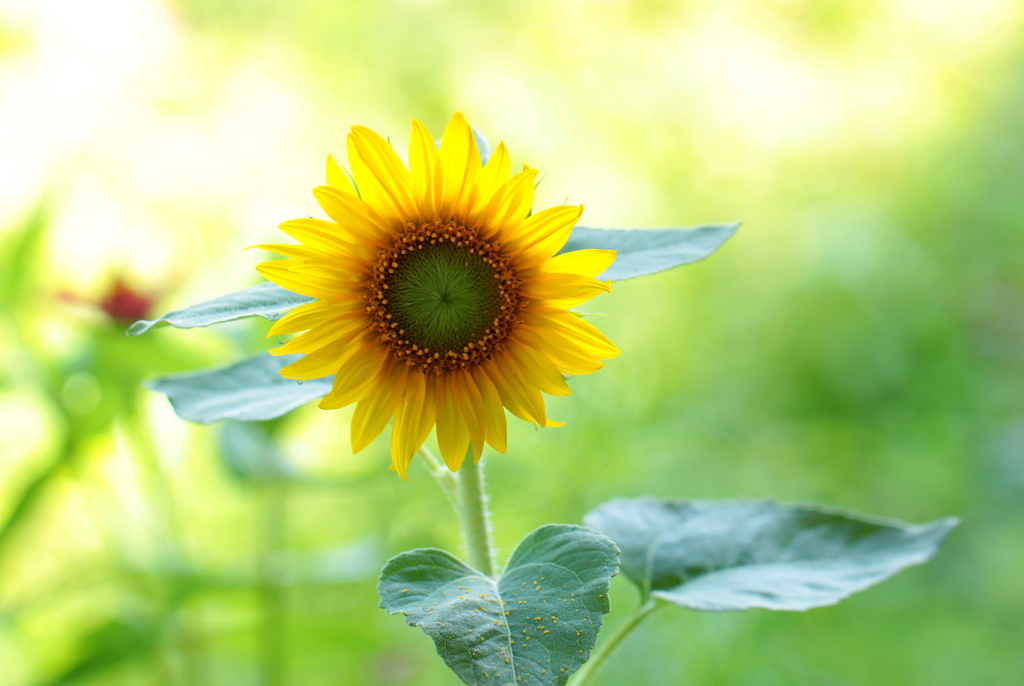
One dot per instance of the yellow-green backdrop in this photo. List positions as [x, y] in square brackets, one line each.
[859, 343]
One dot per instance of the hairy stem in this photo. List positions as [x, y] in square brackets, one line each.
[589, 671]
[471, 506]
[441, 474]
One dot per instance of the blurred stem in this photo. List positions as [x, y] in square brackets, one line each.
[34, 492]
[589, 671]
[473, 516]
[443, 476]
[273, 633]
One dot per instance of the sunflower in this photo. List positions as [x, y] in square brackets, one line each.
[440, 299]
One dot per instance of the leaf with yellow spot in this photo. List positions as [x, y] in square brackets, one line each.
[577, 564]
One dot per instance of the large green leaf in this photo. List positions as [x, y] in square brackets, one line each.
[736, 555]
[249, 390]
[536, 624]
[648, 251]
[267, 300]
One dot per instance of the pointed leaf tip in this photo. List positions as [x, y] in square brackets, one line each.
[737, 555]
[265, 300]
[649, 251]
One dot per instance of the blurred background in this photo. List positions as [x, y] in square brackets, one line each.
[858, 343]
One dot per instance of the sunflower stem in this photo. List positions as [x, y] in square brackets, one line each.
[443, 476]
[589, 671]
[473, 516]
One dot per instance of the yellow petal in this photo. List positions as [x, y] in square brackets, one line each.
[328, 238]
[512, 381]
[345, 269]
[414, 418]
[403, 429]
[537, 369]
[567, 357]
[383, 181]
[494, 413]
[573, 328]
[507, 208]
[460, 164]
[300, 252]
[281, 272]
[452, 433]
[563, 290]
[357, 376]
[305, 317]
[374, 411]
[428, 413]
[494, 175]
[590, 262]
[336, 329]
[320, 363]
[425, 167]
[326, 278]
[472, 410]
[354, 216]
[346, 284]
[497, 379]
[542, 235]
[336, 178]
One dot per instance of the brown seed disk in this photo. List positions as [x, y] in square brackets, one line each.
[414, 237]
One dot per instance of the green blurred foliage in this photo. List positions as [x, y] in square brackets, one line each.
[858, 343]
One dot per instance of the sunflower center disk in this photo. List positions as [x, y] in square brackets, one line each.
[441, 297]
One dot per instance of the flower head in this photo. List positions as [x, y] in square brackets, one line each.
[440, 297]
[125, 304]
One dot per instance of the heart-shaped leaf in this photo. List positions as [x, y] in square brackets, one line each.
[536, 624]
[249, 390]
[736, 555]
[267, 300]
[648, 251]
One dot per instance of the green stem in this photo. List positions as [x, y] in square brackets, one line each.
[589, 671]
[471, 506]
[443, 476]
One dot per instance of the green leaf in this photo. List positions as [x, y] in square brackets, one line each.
[249, 390]
[648, 251]
[536, 624]
[736, 555]
[251, 453]
[267, 300]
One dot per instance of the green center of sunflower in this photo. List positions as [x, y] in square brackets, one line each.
[443, 297]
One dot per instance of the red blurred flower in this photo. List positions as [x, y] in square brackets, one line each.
[124, 304]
